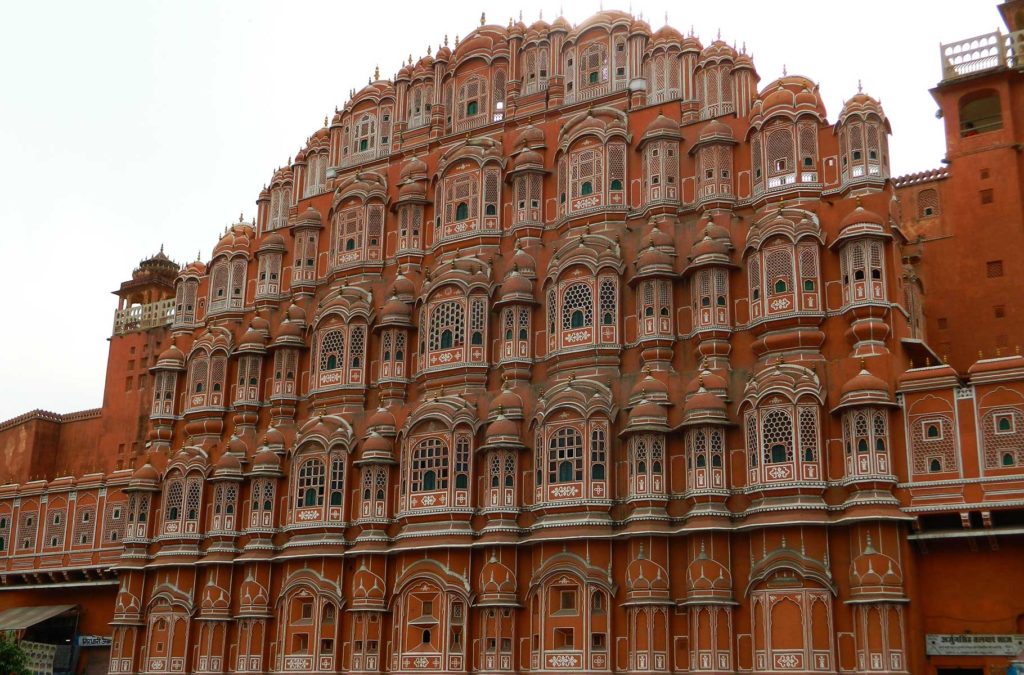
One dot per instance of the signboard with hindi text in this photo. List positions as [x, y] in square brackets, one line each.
[973, 644]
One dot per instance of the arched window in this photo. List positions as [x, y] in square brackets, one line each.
[429, 465]
[980, 112]
[565, 456]
[461, 211]
[310, 484]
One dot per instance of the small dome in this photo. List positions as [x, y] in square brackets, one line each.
[524, 262]
[237, 447]
[395, 311]
[413, 168]
[707, 577]
[529, 158]
[645, 577]
[403, 287]
[860, 216]
[502, 429]
[649, 389]
[660, 238]
[272, 242]
[864, 381]
[875, 572]
[653, 260]
[288, 333]
[497, 579]
[530, 137]
[516, 287]
[266, 459]
[715, 129]
[309, 218]
[296, 314]
[171, 358]
[647, 414]
[703, 407]
[507, 401]
[273, 437]
[146, 473]
[661, 126]
[227, 465]
[862, 105]
[709, 380]
[561, 24]
[708, 246]
[377, 446]
[381, 420]
[252, 340]
[666, 34]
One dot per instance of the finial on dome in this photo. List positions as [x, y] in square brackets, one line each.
[446, 39]
[863, 363]
[860, 88]
[161, 248]
[719, 36]
[483, 18]
[199, 254]
[456, 39]
[376, 73]
[868, 548]
[666, 17]
[784, 73]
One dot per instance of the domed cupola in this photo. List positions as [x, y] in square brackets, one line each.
[703, 407]
[875, 575]
[376, 449]
[646, 581]
[368, 590]
[863, 131]
[708, 579]
[865, 389]
[497, 585]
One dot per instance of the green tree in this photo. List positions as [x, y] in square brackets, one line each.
[12, 657]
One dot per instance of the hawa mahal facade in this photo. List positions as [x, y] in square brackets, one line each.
[569, 348]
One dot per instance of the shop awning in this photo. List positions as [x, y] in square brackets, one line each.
[20, 618]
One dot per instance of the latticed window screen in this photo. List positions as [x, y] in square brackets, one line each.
[27, 526]
[565, 455]
[332, 350]
[1003, 437]
[193, 497]
[374, 227]
[780, 151]
[587, 172]
[218, 372]
[577, 306]
[419, 105]
[56, 525]
[492, 203]
[757, 160]
[616, 166]
[933, 443]
[776, 433]
[337, 480]
[472, 98]
[750, 422]
[365, 133]
[598, 452]
[5, 532]
[115, 519]
[357, 347]
[429, 465]
[477, 319]
[85, 526]
[778, 264]
[927, 203]
[808, 420]
[447, 325]
[609, 301]
[462, 189]
[498, 96]
[174, 500]
[309, 483]
[808, 141]
[462, 463]
[593, 65]
[219, 281]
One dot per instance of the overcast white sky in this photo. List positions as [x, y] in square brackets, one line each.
[124, 125]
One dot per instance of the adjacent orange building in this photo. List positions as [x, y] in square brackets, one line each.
[570, 348]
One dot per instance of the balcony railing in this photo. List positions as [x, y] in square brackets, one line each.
[144, 317]
[980, 53]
